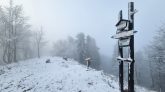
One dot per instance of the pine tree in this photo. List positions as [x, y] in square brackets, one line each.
[81, 50]
[92, 51]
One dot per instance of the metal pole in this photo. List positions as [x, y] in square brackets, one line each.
[131, 65]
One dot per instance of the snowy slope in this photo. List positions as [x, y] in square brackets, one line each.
[58, 76]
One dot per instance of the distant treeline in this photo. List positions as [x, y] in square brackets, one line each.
[78, 48]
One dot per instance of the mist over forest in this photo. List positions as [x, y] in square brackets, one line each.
[21, 40]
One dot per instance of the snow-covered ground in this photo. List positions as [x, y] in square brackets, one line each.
[58, 76]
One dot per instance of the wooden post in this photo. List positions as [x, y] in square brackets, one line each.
[120, 16]
[131, 65]
[125, 31]
[121, 83]
[120, 53]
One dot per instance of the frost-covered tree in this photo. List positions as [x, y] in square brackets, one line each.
[156, 58]
[81, 48]
[65, 48]
[72, 48]
[14, 30]
[114, 68]
[60, 48]
[142, 71]
[39, 40]
[92, 51]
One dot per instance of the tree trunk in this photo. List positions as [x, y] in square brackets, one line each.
[38, 50]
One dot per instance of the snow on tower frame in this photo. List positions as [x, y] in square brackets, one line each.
[125, 35]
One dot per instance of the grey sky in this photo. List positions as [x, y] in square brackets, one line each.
[97, 18]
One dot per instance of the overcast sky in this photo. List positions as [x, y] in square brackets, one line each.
[97, 18]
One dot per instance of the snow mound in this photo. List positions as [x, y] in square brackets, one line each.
[58, 75]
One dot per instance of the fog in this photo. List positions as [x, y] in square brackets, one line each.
[97, 18]
[82, 30]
